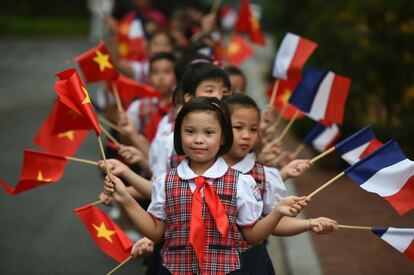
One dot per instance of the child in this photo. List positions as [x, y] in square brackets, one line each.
[237, 78]
[245, 117]
[201, 235]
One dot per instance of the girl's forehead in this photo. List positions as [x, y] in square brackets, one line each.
[200, 117]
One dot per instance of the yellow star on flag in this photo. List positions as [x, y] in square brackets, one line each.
[103, 232]
[40, 177]
[124, 28]
[254, 22]
[69, 134]
[234, 48]
[102, 60]
[123, 49]
[87, 98]
[286, 95]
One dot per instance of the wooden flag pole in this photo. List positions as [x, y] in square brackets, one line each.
[280, 115]
[110, 136]
[288, 126]
[216, 6]
[103, 155]
[298, 150]
[117, 98]
[354, 227]
[118, 266]
[109, 124]
[326, 185]
[274, 91]
[321, 155]
[82, 160]
[96, 202]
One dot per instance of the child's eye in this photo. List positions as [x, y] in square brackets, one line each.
[189, 131]
[254, 130]
[209, 91]
[237, 127]
[210, 132]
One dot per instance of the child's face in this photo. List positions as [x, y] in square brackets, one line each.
[245, 122]
[162, 75]
[159, 43]
[238, 84]
[211, 88]
[201, 136]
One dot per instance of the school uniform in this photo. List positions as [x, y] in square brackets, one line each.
[140, 70]
[172, 203]
[272, 189]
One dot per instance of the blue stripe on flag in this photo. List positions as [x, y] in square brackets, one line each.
[389, 154]
[357, 139]
[314, 133]
[305, 92]
[379, 231]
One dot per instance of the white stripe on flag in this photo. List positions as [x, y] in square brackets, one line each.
[284, 55]
[353, 156]
[389, 180]
[136, 30]
[325, 139]
[399, 238]
[320, 102]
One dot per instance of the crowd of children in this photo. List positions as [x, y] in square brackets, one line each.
[210, 176]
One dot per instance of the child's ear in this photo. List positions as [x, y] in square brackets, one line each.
[187, 97]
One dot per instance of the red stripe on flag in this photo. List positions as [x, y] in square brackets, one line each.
[304, 49]
[409, 252]
[403, 200]
[337, 99]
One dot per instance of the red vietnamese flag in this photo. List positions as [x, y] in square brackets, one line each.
[129, 90]
[131, 37]
[38, 169]
[238, 50]
[96, 64]
[106, 233]
[247, 22]
[283, 93]
[65, 142]
[73, 94]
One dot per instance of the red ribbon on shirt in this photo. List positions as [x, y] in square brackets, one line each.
[197, 231]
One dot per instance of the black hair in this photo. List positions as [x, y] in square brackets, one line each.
[233, 70]
[200, 104]
[242, 100]
[199, 72]
[188, 58]
[161, 56]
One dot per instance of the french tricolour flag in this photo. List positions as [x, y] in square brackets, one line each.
[322, 137]
[388, 173]
[352, 148]
[399, 238]
[322, 96]
[291, 56]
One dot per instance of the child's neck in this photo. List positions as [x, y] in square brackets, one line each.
[231, 160]
[200, 167]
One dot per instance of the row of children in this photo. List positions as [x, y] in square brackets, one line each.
[200, 153]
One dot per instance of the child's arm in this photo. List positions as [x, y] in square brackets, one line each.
[289, 206]
[144, 222]
[295, 168]
[289, 226]
[130, 133]
[141, 185]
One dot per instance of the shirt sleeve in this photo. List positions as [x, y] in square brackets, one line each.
[133, 113]
[248, 200]
[275, 189]
[157, 205]
[158, 156]
[137, 70]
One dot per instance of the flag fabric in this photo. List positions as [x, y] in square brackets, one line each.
[65, 142]
[291, 56]
[284, 92]
[238, 50]
[399, 238]
[388, 173]
[352, 148]
[228, 17]
[73, 94]
[322, 137]
[106, 233]
[129, 90]
[247, 22]
[38, 169]
[131, 37]
[322, 96]
[374, 145]
[96, 64]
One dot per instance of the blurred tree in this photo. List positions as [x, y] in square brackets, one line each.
[372, 42]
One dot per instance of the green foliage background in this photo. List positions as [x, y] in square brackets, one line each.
[370, 41]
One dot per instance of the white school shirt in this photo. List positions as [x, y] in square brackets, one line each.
[275, 188]
[248, 201]
[133, 113]
[140, 70]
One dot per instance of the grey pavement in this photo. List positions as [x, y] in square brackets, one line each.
[39, 234]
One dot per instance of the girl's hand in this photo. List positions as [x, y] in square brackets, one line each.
[115, 188]
[107, 200]
[126, 124]
[295, 168]
[292, 205]
[142, 248]
[115, 167]
[131, 154]
[322, 225]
